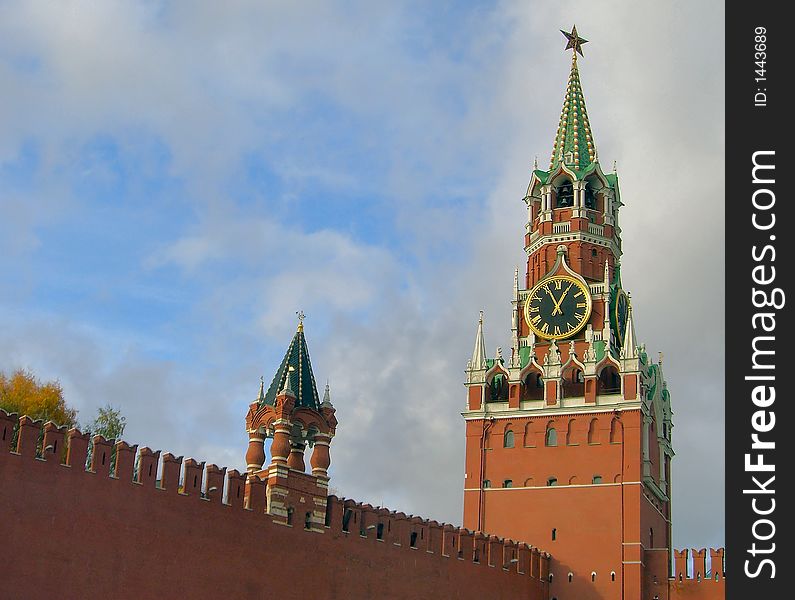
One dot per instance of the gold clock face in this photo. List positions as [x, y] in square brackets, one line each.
[558, 307]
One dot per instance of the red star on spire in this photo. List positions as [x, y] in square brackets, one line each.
[575, 41]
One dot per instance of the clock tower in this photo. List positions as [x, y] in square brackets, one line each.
[568, 438]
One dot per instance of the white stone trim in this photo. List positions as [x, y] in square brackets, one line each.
[561, 410]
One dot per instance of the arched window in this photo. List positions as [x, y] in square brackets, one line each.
[507, 439]
[615, 431]
[593, 433]
[597, 479]
[612, 575]
[508, 483]
[486, 484]
[571, 576]
[552, 481]
[564, 196]
[529, 435]
[571, 433]
[308, 521]
[593, 576]
[554, 534]
[290, 512]
[551, 438]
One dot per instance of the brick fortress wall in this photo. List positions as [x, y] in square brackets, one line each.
[160, 527]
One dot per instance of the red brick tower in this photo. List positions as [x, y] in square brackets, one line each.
[568, 440]
[292, 414]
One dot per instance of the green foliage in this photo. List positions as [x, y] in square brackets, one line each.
[109, 423]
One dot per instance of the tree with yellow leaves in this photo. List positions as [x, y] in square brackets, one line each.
[23, 393]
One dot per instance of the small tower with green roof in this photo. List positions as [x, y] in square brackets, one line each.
[293, 416]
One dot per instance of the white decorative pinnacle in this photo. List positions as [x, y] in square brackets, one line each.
[478, 362]
[516, 283]
[261, 397]
[553, 355]
[287, 390]
[629, 348]
[327, 398]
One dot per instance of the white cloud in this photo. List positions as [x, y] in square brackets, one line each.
[390, 327]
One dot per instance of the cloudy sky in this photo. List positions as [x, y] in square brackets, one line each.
[178, 178]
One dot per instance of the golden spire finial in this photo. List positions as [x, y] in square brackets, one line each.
[301, 316]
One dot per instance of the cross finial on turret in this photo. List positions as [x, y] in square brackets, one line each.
[301, 316]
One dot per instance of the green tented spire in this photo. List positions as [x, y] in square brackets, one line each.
[301, 379]
[574, 145]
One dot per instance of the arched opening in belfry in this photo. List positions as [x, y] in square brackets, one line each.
[533, 386]
[498, 388]
[609, 381]
[573, 382]
[564, 194]
[590, 200]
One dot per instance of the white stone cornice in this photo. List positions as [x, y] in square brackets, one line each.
[573, 236]
[514, 413]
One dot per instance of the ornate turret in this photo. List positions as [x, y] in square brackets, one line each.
[291, 413]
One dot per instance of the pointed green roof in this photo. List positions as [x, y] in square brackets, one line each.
[302, 380]
[574, 144]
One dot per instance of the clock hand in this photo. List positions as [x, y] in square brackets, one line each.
[555, 302]
[560, 300]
